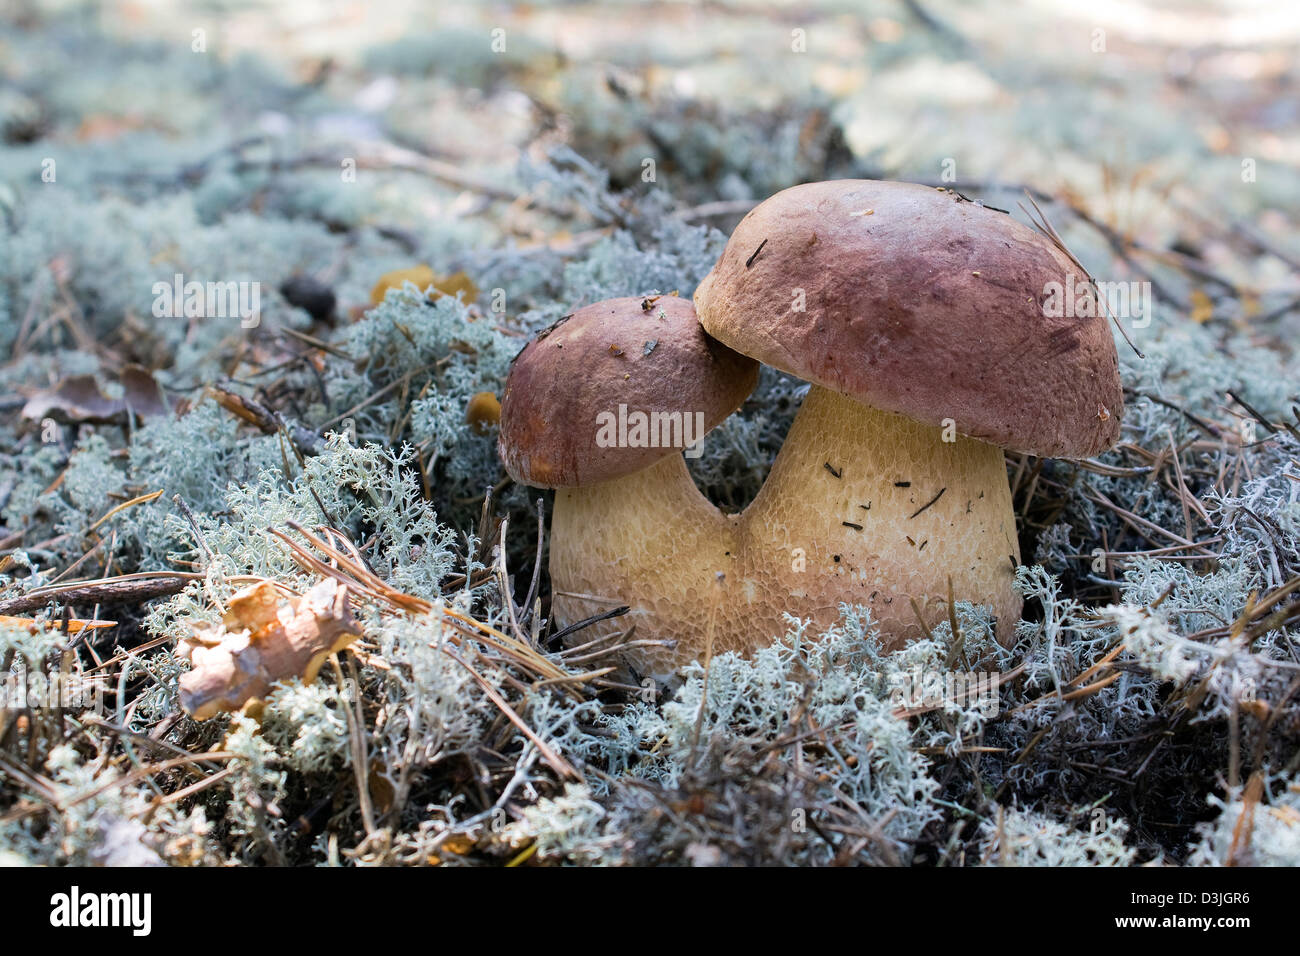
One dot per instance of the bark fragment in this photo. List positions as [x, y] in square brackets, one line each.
[261, 641]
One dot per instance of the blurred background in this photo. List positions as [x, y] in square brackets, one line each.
[516, 161]
[1172, 128]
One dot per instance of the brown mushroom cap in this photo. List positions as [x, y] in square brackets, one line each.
[919, 302]
[650, 355]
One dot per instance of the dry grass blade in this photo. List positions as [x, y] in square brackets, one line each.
[1046, 228]
[350, 570]
[558, 763]
[345, 565]
[1245, 827]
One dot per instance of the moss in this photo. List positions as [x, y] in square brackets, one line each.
[1132, 682]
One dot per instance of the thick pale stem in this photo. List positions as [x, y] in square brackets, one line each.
[861, 507]
[867, 507]
[650, 540]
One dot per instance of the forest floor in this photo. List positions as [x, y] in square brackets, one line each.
[524, 160]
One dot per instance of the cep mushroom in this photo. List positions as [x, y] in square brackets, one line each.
[600, 407]
[916, 316]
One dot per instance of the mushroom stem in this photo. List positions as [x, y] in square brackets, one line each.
[650, 540]
[861, 506]
[864, 506]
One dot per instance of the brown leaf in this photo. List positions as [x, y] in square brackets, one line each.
[142, 394]
[483, 412]
[457, 282]
[382, 791]
[261, 641]
[75, 400]
[1202, 307]
[423, 277]
[78, 400]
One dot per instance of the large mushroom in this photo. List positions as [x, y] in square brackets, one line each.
[917, 317]
[601, 407]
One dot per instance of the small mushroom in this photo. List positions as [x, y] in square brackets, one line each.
[606, 428]
[920, 329]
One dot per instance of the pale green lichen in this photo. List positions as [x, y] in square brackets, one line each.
[1131, 683]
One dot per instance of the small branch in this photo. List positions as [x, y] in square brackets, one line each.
[133, 591]
[266, 419]
[587, 622]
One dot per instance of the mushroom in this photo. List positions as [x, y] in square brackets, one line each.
[600, 407]
[916, 316]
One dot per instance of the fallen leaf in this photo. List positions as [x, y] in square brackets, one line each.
[78, 400]
[483, 412]
[142, 394]
[260, 641]
[75, 400]
[423, 278]
[382, 791]
[458, 844]
[457, 282]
